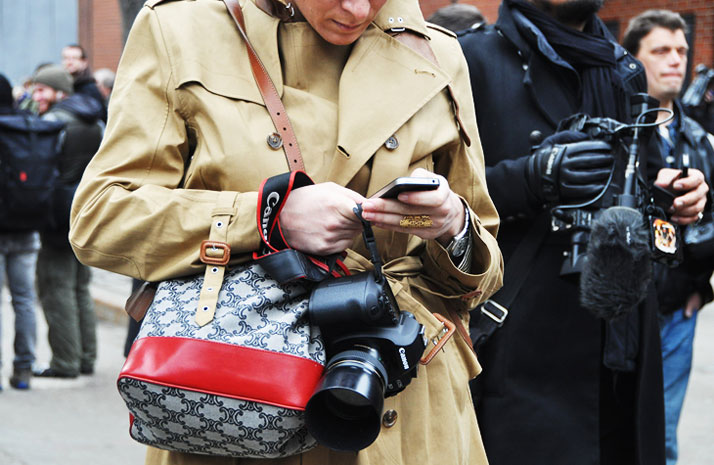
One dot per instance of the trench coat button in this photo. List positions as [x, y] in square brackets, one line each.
[392, 143]
[391, 20]
[389, 418]
[275, 141]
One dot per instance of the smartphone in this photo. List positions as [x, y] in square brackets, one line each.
[406, 184]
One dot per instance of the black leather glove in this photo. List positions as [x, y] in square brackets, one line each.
[569, 166]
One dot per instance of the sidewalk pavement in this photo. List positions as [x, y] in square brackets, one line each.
[84, 421]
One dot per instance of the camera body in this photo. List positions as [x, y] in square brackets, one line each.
[373, 351]
[359, 312]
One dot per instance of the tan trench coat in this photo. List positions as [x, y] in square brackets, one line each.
[185, 111]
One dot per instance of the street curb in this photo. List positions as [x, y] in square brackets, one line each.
[109, 311]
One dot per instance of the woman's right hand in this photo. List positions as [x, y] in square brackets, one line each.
[319, 220]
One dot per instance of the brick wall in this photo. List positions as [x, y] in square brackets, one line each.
[100, 32]
[621, 11]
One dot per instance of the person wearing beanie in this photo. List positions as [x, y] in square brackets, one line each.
[62, 282]
[18, 254]
[51, 85]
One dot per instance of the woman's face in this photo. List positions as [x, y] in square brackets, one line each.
[340, 22]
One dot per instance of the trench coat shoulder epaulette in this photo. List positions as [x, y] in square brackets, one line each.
[436, 27]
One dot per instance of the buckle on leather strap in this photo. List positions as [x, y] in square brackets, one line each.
[215, 253]
[444, 335]
[494, 311]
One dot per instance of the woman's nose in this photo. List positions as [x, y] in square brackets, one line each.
[359, 9]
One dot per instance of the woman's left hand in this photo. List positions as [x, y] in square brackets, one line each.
[443, 207]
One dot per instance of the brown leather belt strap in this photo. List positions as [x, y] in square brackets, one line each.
[270, 94]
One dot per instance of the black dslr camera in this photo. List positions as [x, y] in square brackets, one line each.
[373, 350]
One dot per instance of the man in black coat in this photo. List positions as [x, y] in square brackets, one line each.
[75, 61]
[657, 38]
[560, 386]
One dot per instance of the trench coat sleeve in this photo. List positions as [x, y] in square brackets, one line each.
[129, 214]
[464, 169]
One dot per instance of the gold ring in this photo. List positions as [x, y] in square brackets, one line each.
[416, 221]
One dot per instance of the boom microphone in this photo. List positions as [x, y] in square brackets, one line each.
[618, 265]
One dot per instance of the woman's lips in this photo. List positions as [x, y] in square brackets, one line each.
[345, 27]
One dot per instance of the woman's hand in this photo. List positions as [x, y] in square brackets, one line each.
[442, 205]
[319, 220]
[691, 193]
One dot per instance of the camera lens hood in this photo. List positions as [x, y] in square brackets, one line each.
[344, 413]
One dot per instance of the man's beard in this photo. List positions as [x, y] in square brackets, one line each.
[571, 12]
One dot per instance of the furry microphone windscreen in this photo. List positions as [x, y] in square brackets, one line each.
[618, 266]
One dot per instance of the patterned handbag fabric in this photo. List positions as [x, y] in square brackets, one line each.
[234, 387]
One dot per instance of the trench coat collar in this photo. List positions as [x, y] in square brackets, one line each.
[383, 84]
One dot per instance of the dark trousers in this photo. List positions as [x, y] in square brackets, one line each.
[63, 285]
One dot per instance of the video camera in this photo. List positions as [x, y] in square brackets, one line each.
[698, 99]
[616, 235]
[704, 80]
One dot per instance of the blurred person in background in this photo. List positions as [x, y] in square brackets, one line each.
[75, 61]
[18, 258]
[457, 17]
[63, 282]
[105, 82]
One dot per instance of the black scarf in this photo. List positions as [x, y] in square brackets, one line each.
[590, 52]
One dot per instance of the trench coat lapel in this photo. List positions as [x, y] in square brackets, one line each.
[384, 83]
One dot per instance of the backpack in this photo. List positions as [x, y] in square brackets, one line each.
[30, 149]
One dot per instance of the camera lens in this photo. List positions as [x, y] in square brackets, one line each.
[345, 411]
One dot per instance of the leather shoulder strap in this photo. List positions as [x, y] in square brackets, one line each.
[270, 94]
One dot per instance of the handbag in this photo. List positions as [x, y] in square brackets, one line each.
[224, 365]
[233, 387]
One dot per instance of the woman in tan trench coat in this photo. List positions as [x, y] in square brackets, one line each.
[373, 93]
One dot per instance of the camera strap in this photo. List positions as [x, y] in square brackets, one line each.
[284, 263]
[491, 314]
[371, 243]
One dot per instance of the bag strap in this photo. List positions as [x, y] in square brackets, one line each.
[270, 94]
[215, 253]
[490, 315]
